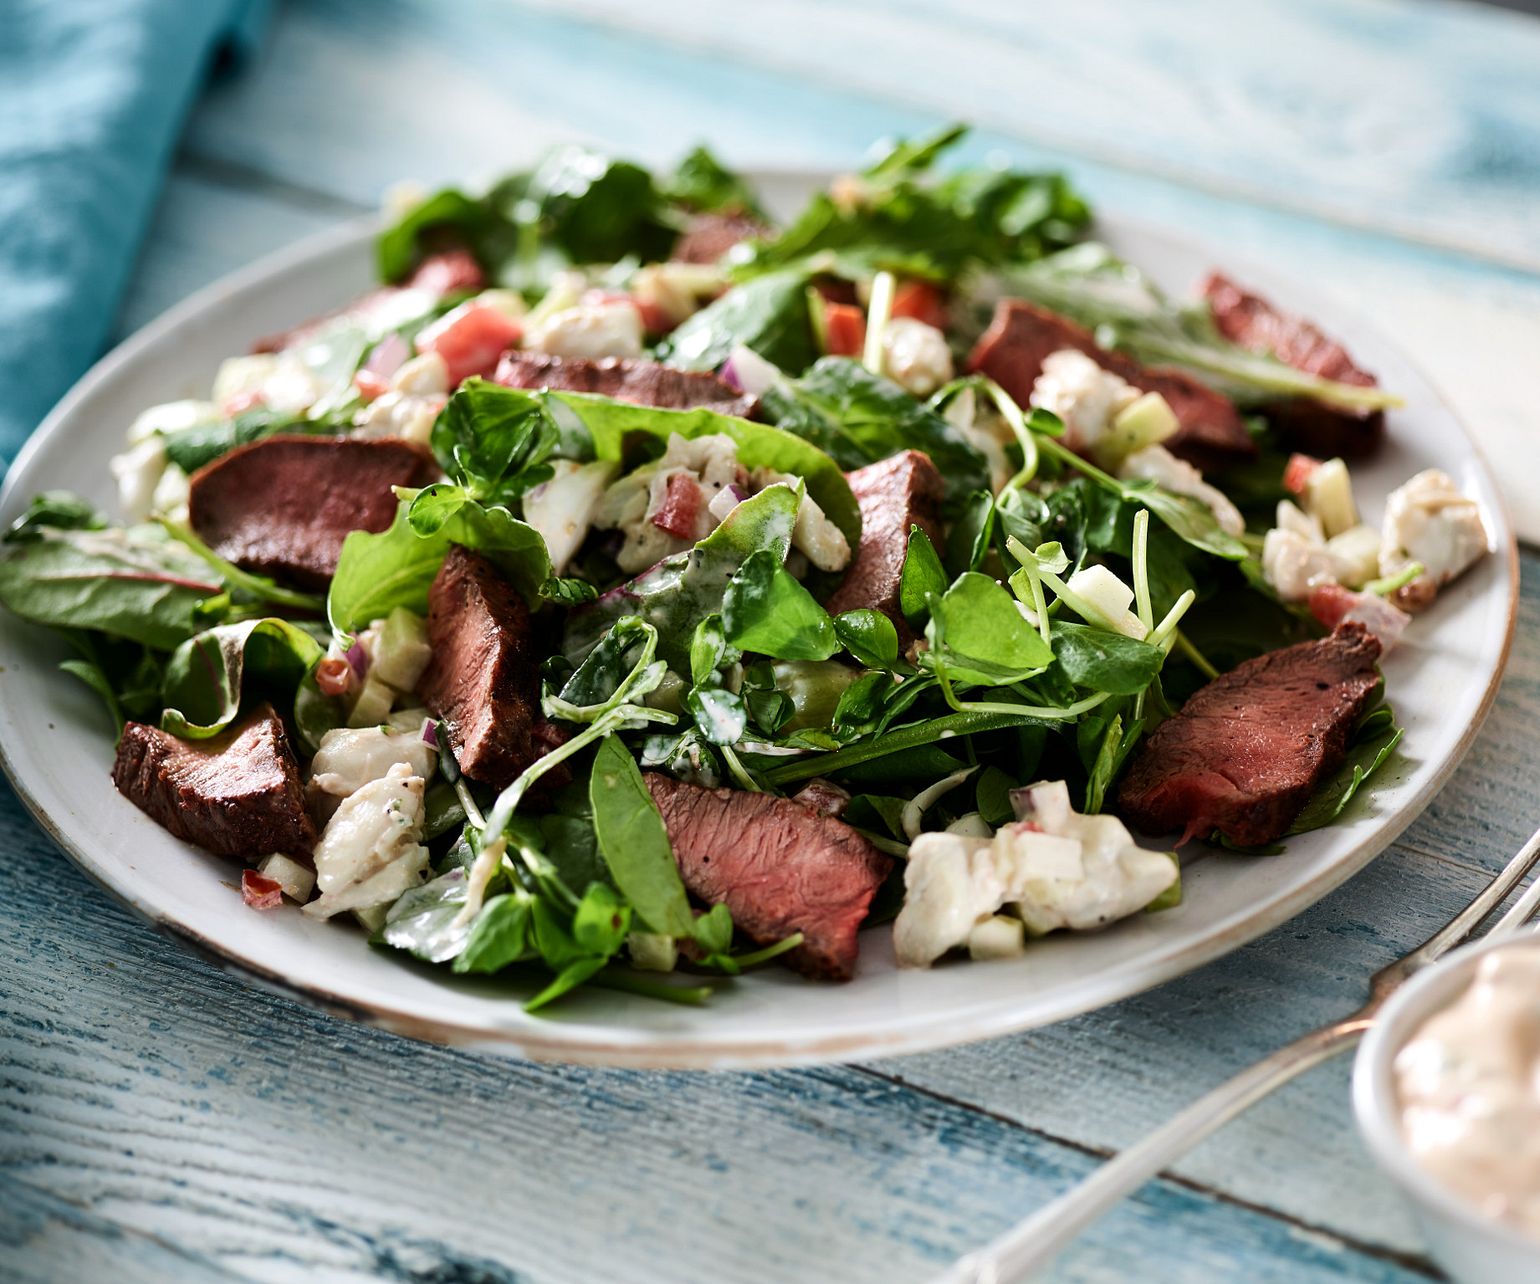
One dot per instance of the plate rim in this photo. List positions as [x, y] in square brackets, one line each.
[552, 1041]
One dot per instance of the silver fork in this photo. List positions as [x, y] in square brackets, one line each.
[1036, 1240]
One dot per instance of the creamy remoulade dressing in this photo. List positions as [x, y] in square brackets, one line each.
[1468, 1087]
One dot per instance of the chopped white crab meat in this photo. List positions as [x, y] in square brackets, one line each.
[282, 381]
[645, 504]
[351, 757]
[562, 509]
[916, 356]
[418, 391]
[592, 330]
[1429, 520]
[1294, 564]
[814, 535]
[1290, 517]
[1086, 397]
[1159, 465]
[138, 472]
[1053, 869]
[371, 850]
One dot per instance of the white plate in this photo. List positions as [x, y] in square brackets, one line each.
[56, 746]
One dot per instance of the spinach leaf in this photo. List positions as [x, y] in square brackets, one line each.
[59, 509]
[206, 674]
[191, 448]
[1374, 741]
[769, 315]
[611, 423]
[378, 572]
[130, 582]
[701, 182]
[593, 208]
[499, 936]
[448, 216]
[634, 842]
[1104, 661]
[977, 635]
[598, 678]
[893, 218]
[766, 610]
[922, 577]
[679, 592]
[494, 440]
[860, 418]
[869, 636]
[722, 716]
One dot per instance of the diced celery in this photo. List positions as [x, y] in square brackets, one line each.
[401, 650]
[373, 704]
[653, 952]
[1329, 497]
[1147, 422]
[997, 937]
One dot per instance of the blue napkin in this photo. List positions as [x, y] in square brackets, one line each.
[92, 98]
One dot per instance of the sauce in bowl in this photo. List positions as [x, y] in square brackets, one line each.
[1468, 1089]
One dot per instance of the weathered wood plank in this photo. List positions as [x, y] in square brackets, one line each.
[165, 1096]
[479, 87]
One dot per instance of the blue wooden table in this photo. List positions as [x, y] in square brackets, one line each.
[162, 1121]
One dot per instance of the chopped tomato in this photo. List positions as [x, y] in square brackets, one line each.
[370, 385]
[1298, 472]
[922, 301]
[844, 327]
[680, 509]
[333, 676]
[239, 403]
[448, 273]
[470, 339]
[259, 891]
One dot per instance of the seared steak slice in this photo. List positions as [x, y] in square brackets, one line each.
[778, 866]
[1252, 322]
[483, 679]
[644, 383]
[282, 506]
[1248, 750]
[895, 494]
[710, 236]
[1022, 335]
[237, 794]
[452, 271]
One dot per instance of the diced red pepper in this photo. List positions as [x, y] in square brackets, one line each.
[239, 403]
[922, 301]
[370, 385]
[1298, 472]
[844, 329]
[259, 891]
[680, 509]
[448, 273]
[333, 676]
[470, 339]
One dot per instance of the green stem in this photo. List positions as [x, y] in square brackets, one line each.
[878, 311]
[257, 585]
[628, 982]
[1199, 660]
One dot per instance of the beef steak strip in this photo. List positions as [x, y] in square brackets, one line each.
[235, 794]
[643, 383]
[894, 495]
[1314, 427]
[709, 236]
[779, 866]
[1022, 335]
[483, 678]
[1247, 751]
[282, 506]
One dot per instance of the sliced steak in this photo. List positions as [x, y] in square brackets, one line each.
[1247, 751]
[644, 383]
[282, 506]
[236, 794]
[1022, 335]
[483, 678]
[778, 866]
[709, 236]
[895, 494]
[1252, 322]
[453, 271]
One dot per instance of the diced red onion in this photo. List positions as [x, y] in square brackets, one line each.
[728, 374]
[389, 355]
[747, 372]
[358, 660]
[430, 734]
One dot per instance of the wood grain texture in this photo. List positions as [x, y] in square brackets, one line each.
[160, 1120]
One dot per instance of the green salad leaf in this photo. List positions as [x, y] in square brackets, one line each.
[769, 315]
[766, 610]
[207, 674]
[634, 842]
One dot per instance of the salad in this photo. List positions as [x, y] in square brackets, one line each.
[630, 591]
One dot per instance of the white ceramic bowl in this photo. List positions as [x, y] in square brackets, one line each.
[1473, 1248]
